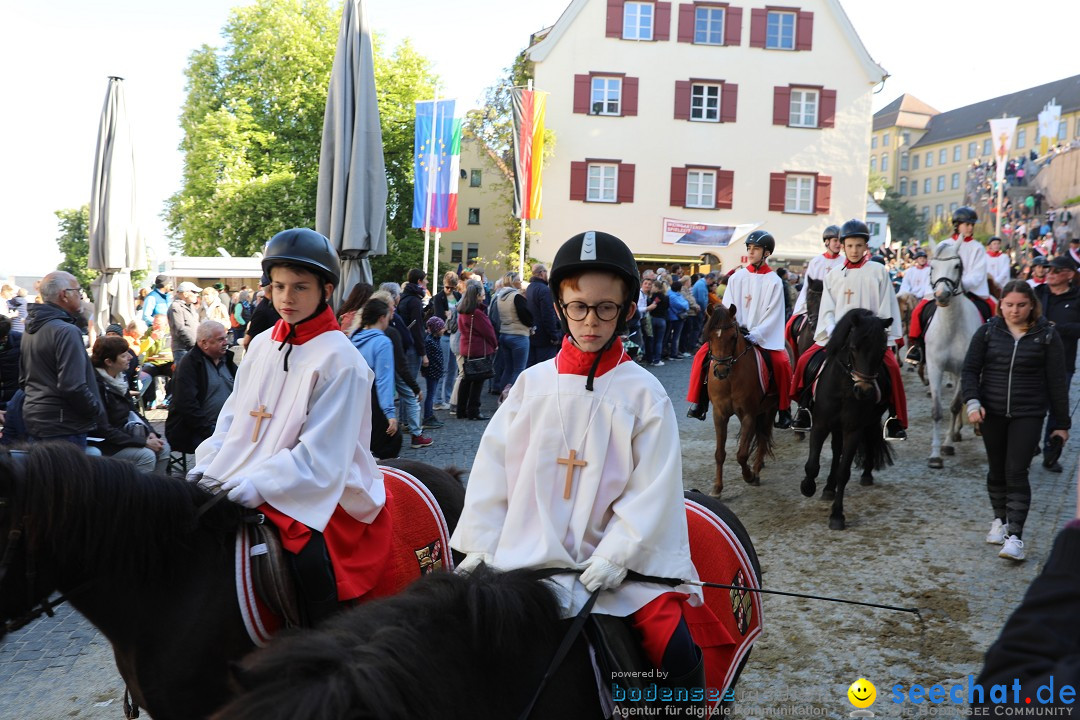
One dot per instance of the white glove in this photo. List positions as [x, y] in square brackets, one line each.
[602, 574]
[472, 561]
[753, 339]
[242, 492]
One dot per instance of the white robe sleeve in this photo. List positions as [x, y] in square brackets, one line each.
[827, 310]
[800, 302]
[974, 279]
[890, 307]
[769, 324]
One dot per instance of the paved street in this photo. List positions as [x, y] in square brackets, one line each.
[914, 539]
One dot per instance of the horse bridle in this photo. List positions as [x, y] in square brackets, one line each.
[727, 362]
[952, 286]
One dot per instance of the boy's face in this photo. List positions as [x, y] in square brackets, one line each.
[601, 291]
[296, 293]
[854, 248]
[754, 254]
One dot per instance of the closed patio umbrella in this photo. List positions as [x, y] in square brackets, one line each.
[116, 244]
[350, 207]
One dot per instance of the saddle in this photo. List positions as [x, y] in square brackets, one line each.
[928, 310]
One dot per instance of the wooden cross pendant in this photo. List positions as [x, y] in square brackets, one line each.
[848, 293]
[570, 463]
[259, 416]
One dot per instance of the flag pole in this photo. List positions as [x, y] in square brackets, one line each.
[524, 218]
[429, 197]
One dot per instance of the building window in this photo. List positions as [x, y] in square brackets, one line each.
[939, 211]
[874, 228]
[606, 94]
[455, 252]
[973, 150]
[952, 207]
[955, 181]
[956, 153]
[637, 21]
[873, 143]
[709, 26]
[780, 30]
[903, 186]
[885, 162]
[804, 109]
[986, 147]
[903, 161]
[873, 163]
[941, 183]
[943, 156]
[474, 178]
[930, 159]
[701, 189]
[914, 188]
[885, 140]
[926, 186]
[926, 213]
[473, 253]
[914, 162]
[474, 216]
[1021, 138]
[705, 103]
[1063, 129]
[905, 138]
[799, 195]
[602, 183]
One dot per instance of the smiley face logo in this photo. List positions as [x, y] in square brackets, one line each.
[862, 693]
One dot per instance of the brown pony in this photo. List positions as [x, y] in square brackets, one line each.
[734, 389]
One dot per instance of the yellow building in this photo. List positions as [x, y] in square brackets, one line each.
[925, 155]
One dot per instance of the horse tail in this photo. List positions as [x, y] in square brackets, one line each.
[874, 451]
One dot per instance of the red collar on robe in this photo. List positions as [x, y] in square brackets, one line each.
[761, 270]
[831, 255]
[1038, 280]
[848, 265]
[969, 238]
[993, 253]
[313, 328]
[572, 360]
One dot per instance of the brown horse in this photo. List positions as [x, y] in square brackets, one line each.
[734, 389]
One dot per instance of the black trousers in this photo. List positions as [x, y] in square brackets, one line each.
[468, 401]
[1008, 444]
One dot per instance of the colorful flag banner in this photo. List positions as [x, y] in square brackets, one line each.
[450, 197]
[1002, 130]
[433, 182]
[1049, 120]
[529, 107]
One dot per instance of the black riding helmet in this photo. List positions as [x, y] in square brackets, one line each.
[595, 251]
[833, 231]
[854, 228]
[307, 249]
[763, 239]
[964, 214]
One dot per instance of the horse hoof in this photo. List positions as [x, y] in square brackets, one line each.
[948, 450]
[956, 437]
[936, 463]
[717, 489]
[836, 523]
[755, 481]
[866, 480]
[808, 487]
[828, 495]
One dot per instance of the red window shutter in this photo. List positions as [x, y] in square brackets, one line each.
[729, 100]
[614, 18]
[759, 18]
[626, 183]
[686, 23]
[827, 110]
[629, 96]
[678, 186]
[582, 92]
[579, 180]
[662, 28]
[804, 31]
[725, 189]
[682, 99]
[822, 194]
[733, 26]
[777, 190]
[781, 109]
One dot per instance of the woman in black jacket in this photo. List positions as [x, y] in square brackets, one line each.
[1013, 372]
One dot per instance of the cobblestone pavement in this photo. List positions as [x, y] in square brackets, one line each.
[914, 539]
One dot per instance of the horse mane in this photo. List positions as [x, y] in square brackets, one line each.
[854, 322]
[387, 658]
[103, 516]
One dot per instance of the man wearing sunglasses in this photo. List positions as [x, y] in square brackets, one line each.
[1061, 306]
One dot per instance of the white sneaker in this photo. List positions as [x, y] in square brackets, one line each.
[658, 363]
[1013, 548]
[998, 532]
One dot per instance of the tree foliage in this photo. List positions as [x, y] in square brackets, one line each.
[253, 120]
[903, 218]
[74, 244]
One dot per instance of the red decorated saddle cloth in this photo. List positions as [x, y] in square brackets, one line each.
[420, 544]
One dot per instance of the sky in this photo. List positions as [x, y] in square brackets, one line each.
[57, 57]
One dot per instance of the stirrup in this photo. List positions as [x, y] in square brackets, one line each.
[795, 420]
[885, 431]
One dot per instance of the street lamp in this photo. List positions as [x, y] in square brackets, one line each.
[879, 194]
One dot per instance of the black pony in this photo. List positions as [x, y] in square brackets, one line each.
[850, 399]
[131, 554]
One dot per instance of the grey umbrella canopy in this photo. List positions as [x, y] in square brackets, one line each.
[116, 244]
[351, 205]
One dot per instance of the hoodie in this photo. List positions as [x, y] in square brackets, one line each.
[378, 351]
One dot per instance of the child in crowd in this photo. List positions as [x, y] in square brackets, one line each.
[433, 371]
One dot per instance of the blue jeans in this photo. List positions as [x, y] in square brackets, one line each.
[410, 407]
[446, 383]
[514, 351]
[675, 328]
[659, 334]
[79, 440]
[429, 399]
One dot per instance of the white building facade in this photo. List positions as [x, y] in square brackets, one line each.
[682, 126]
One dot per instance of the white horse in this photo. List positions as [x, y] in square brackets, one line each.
[947, 340]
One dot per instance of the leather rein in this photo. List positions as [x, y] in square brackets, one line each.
[727, 362]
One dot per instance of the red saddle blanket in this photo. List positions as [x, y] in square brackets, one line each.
[420, 545]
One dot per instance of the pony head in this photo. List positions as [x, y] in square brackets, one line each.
[946, 269]
[859, 343]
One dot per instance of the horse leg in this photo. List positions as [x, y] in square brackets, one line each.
[834, 469]
[813, 460]
[957, 409]
[936, 379]
[746, 436]
[763, 439]
[867, 478]
[720, 423]
[851, 441]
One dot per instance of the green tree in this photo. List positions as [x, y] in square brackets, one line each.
[903, 219]
[74, 244]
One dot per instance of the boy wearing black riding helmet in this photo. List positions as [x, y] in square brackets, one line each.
[293, 437]
[581, 467]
